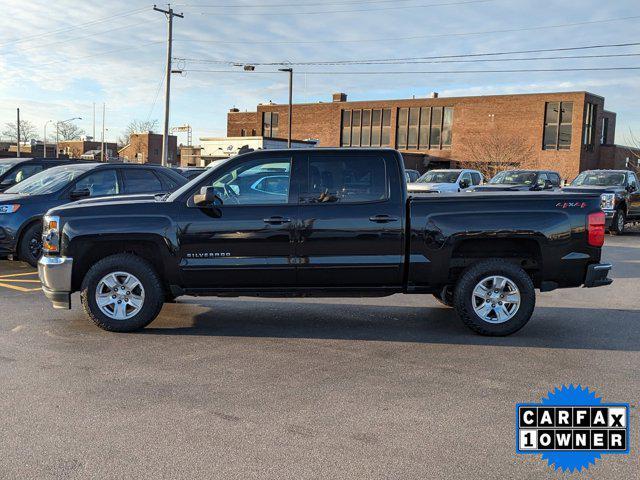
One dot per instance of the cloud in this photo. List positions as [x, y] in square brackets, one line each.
[119, 58]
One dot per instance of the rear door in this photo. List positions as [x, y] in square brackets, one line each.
[140, 180]
[351, 228]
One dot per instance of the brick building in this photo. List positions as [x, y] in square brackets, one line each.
[77, 148]
[147, 148]
[568, 132]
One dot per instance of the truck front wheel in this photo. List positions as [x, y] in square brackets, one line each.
[122, 293]
[495, 298]
[618, 223]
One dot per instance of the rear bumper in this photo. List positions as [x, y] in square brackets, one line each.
[55, 275]
[598, 275]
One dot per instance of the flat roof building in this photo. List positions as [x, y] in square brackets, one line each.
[563, 131]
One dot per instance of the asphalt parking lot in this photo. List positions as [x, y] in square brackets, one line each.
[243, 388]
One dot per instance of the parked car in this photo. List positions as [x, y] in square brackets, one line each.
[190, 172]
[521, 180]
[619, 193]
[439, 181]
[23, 205]
[16, 170]
[342, 225]
[411, 175]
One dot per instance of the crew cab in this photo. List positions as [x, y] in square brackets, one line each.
[619, 195]
[341, 225]
[521, 180]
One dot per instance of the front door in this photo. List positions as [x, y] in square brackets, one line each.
[634, 196]
[351, 230]
[251, 243]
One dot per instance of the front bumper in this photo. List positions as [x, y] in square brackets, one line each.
[55, 275]
[608, 217]
[597, 275]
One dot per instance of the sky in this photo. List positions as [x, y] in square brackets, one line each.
[58, 58]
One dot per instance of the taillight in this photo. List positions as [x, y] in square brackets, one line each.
[595, 229]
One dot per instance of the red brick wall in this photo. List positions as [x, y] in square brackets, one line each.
[474, 118]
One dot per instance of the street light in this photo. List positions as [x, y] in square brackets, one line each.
[290, 70]
[57, 131]
[44, 152]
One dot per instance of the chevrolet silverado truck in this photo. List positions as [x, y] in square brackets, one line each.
[619, 192]
[321, 222]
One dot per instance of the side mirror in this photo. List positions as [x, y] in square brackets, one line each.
[548, 185]
[7, 182]
[208, 199]
[631, 188]
[464, 183]
[78, 194]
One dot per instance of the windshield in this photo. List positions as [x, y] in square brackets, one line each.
[5, 167]
[49, 181]
[515, 178]
[601, 179]
[439, 176]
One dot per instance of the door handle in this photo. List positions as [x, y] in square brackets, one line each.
[383, 219]
[277, 220]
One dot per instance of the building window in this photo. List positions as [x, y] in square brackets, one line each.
[366, 128]
[424, 128]
[557, 126]
[270, 122]
[605, 131]
[243, 132]
[589, 132]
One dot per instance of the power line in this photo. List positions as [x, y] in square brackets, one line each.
[414, 37]
[432, 72]
[392, 61]
[272, 5]
[367, 10]
[477, 60]
[75, 27]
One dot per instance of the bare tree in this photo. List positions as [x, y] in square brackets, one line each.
[137, 126]
[496, 153]
[27, 131]
[69, 131]
[634, 150]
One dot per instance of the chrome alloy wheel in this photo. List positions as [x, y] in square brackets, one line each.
[120, 295]
[496, 299]
[620, 222]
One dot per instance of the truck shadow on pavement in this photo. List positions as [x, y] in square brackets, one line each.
[576, 328]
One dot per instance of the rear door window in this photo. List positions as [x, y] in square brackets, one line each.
[23, 172]
[555, 179]
[344, 179]
[476, 178]
[140, 181]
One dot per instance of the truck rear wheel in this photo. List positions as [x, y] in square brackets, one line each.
[122, 293]
[495, 297]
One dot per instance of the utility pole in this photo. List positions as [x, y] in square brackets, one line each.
[18, 132]
[290, 70]
[102, 142]
[94, 122]
[165, 134]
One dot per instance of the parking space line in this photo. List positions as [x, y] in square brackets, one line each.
[13, 275]
[20, 281]
[17, 288]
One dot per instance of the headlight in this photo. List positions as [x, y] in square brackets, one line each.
[51, 234]
[608, 201]
[9, 208]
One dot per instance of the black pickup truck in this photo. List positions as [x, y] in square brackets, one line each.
[321, 222]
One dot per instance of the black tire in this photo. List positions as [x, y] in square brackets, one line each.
[445, 296]
[463, 297]
[131, 264]
[618, 222]
[30, 247]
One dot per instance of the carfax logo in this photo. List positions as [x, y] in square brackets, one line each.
[572, 428]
